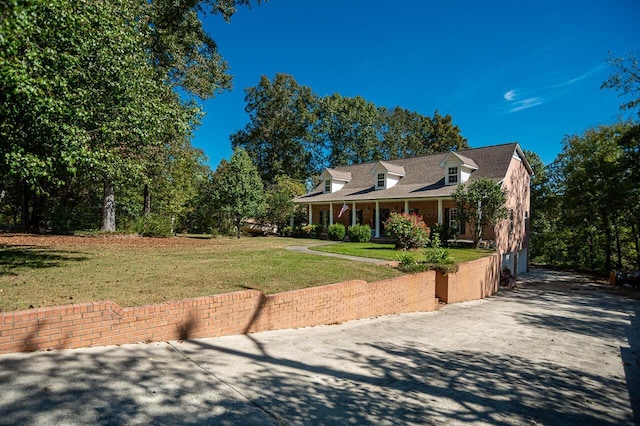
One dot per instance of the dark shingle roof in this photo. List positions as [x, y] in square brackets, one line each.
[424, 177]
[339, 174]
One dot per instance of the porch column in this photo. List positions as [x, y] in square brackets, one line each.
[406, 206]
[330, 214]
[353, 213]
[439, 212]
[377, 224]
[310, 214]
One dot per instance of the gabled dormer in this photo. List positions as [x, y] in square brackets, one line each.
[457, 168]
[334, 180]
[386, 175]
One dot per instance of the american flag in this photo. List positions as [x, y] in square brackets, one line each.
[344, 208]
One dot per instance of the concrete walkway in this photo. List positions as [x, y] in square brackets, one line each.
[559, 350]
[306, 250]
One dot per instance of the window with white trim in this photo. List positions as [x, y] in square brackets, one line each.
[327, 185]
[380, 180]
[454, 221]
[453, 175]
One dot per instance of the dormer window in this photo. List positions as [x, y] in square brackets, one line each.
[453, 175]
[457, 168]
[386, 175]
[333, 180]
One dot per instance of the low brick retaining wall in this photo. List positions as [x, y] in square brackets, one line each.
[474, 280]
[106, 323]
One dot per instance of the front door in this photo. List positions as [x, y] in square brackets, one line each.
[384, 215]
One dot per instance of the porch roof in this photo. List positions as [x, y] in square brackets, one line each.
[424, 177]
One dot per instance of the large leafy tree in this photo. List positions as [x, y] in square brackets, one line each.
[279, 201]
[347, 129]
[292, 131]
[408, 134]
[626, 80]
[545, 234]
[481, 203]
[86, 88]
[239, 191]
[599, 192]
[78, 94]
[445, 135]
[277, 137]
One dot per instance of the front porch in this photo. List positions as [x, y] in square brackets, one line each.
[375, 212]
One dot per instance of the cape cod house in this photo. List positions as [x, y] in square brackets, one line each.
[368, 193]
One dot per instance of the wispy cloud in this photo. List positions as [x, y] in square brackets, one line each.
[593, 71]
[510, 95]
[522, 98]
[526, 104]
[514, 104]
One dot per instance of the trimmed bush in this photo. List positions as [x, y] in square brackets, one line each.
[359, 233]
[407, 230]
[312, 231]
[152, 225]
[336, 232]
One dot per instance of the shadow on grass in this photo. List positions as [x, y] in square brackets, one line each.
[15, 258]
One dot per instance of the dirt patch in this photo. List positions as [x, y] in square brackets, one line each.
[128, 241]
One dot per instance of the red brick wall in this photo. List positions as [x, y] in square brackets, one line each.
[474, 280]
[106, 323]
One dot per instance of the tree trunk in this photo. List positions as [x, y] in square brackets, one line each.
[108, 208]
[618, 246]
[607, 253]
[146, 210]
[636, 238]
[24, 210]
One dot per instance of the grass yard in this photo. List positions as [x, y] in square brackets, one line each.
[38, 271]
[387, 252]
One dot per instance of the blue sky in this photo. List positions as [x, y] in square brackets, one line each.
[504, 70]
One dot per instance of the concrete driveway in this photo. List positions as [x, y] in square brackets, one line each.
[559, 350]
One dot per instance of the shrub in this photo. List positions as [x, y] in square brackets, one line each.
[287, 231]
[312, 231]
[408, 231]
[359, 233]
[152, 225]
[294, 231]
[439, 259]
[336, 232]
[409, 264]
[444, 234]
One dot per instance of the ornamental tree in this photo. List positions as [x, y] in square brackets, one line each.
[480, 203]
[239, 191]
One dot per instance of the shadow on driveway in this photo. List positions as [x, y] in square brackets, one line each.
[555, 351]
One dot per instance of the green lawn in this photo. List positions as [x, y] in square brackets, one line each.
[387, 252]
[52, 270]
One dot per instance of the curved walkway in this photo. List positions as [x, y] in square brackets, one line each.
[306, 250]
